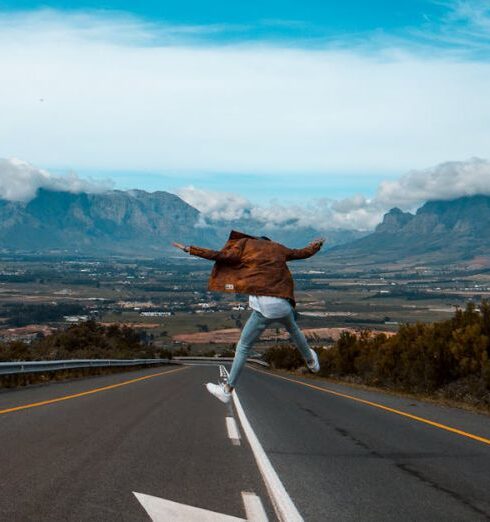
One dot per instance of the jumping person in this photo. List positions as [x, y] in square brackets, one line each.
[257, 266]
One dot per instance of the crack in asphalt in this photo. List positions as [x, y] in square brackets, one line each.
[404, 467]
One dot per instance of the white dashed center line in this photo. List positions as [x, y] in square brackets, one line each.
[253, 507]
[284, 506]
[233, 433]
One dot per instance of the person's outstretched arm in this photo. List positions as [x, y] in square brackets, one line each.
[230, 255]
[303, 253]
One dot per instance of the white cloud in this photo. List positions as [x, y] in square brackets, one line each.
[465, 25]
[19, 181]
[318, 213]
[216, 205]
[445, 181]
[103, 91]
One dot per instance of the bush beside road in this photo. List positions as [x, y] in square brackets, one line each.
[87, 340]
[448, 359]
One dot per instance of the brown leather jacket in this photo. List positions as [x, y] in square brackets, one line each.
[247, 265]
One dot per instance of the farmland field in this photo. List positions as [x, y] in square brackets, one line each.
[169, 302]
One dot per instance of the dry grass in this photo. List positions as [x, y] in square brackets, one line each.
[231, 335]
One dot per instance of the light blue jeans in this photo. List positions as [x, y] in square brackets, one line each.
[252, 330]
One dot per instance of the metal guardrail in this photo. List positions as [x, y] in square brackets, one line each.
[17, 367]
[10, 368]
[189, 358]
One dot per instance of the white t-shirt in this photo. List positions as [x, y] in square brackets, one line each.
[270, 307]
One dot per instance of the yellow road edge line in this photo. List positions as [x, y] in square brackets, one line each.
[386, 408]
[88, 392]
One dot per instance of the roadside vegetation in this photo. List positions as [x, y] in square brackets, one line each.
[20, 314]
[87, 340]
[448, 359]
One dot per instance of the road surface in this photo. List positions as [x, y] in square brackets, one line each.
[338, 453]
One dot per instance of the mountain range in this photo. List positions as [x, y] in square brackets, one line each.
[135, 223]
[115, 221]
[143, 224]
[440, 232]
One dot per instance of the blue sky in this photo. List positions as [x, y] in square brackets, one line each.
[287, 100]
[255, 187]
[297, 23]
[270, 18]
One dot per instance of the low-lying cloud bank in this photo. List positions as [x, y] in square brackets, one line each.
[445, 181]
[19, 181]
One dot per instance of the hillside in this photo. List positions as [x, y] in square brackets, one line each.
[115, 221]
[440, 232]
[132, 222]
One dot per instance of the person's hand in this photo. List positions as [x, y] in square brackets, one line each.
[318, 242]
[181, 246]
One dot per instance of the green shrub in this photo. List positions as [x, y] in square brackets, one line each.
[283, 356]
[87, 340]
[452, 356]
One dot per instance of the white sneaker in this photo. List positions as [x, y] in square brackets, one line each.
[218, 390]
[313, 364]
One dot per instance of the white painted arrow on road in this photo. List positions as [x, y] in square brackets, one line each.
[161, 510]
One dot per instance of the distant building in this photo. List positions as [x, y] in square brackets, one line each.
[75, 318]
[135, 305]
[155, 314]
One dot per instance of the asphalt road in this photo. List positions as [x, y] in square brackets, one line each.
[81, 458]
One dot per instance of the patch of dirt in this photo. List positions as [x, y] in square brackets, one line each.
[231, 335]
[133, 325]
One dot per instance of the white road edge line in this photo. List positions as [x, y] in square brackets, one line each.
[284, 507]
[233, 433]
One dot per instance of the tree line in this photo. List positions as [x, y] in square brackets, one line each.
[87, 340]
[21, 314]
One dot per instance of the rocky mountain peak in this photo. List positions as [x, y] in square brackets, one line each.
[112, 221]
[442, 231]
[394, 221]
